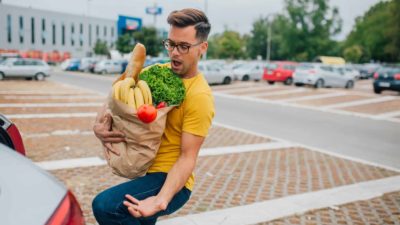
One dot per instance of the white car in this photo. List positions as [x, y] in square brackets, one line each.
[85, 64]
[215, 74]
[249, 71]
[108, 66]
[28, 68]
[320, 75]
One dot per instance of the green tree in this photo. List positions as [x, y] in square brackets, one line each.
[147, 36]
[353, 54]
[257, 44]
[101, 48]
[228, 45]
[378, 32]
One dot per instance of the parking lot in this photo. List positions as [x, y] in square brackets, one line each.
[237, 169]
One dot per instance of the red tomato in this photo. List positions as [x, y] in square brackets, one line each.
[147, 113]
[161, 105]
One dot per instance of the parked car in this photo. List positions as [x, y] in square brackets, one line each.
[214, 74]
[387, 79]
[108, 66]
[352, 71]
[73, 65]
[279, 72]
[368, 70]
[28, 68]
[30, 195]
[249, 71]
[320, 75]
[85, 64]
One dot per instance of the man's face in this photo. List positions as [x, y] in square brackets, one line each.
[185, 64]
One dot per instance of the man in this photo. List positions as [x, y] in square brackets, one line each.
[168, 184]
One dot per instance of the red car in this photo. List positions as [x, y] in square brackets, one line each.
[281, 71]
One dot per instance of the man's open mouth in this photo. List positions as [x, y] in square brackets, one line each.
[176, 63]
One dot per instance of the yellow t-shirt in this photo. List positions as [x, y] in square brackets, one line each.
[193, 116]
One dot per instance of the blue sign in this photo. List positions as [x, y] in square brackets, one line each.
[126, 23]
[154, 10]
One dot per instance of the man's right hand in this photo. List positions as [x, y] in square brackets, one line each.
[102, 130]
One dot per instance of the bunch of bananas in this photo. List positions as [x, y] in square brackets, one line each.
[131, 94]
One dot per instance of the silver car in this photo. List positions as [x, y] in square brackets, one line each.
[215, 74]
[28, 68]
[249, 71]
[321, 75]
[108, 66]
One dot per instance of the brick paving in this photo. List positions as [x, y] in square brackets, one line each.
[90, 98]
[40, 110]
[239, 179]
[376, 108]
[332, 100]
[48, 125]
[377, 211]
[293, 95]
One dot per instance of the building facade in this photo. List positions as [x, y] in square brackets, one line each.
[27, 29]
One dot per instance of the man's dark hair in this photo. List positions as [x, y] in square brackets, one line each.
[191, 17]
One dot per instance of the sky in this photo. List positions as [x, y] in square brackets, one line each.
[236, 15]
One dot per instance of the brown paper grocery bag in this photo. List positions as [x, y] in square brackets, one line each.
[142, 140]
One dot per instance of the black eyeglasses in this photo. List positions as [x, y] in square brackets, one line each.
[183, 48]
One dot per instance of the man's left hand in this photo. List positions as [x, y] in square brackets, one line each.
[146, 207]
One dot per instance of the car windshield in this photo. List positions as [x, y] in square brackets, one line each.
[306, 66]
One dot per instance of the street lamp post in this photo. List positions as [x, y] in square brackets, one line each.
[268, 56]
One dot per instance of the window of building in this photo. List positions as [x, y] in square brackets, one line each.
[97, 31]
[43, 31]
[72, 35]
[112, 32]
[105, 31]
[63, 34]
[90, 35]
[33, 30]
[81, 34]
[9, 28]
[21, 29]
[54, 33]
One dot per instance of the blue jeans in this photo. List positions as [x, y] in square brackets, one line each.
[108, 207]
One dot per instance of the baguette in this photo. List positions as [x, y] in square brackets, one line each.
[136, 62]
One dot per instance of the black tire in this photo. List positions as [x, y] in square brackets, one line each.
[377, 90]
[2, 77]
[319, 83]
[298, 84]
[227, 80]
[288, 81]
[349, 84]
[40, 77]
[271, 82]
[246, 78]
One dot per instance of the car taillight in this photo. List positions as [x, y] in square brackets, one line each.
[16, 139]
[376, 76]
[397, 76]
[68, 212]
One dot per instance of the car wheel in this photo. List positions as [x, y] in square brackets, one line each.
[271, 82]
[298, 84]
[349, 84]
[2, 76]
[39, 77]
[377, 90]
[103, 72]
[319, 83]
[227, 80]
[245, 78]
[288, 81]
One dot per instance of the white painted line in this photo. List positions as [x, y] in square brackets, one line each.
[50, 105]
[71, 163]
[94, 161]
[282, 103]
[276, 93]
[308, 147]
[292, 205]
[244, 148]
[47, 92]
[58, 133]
[314, 97]
[54, 97]
[360, 102]
[50, 115]
[389, 114]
